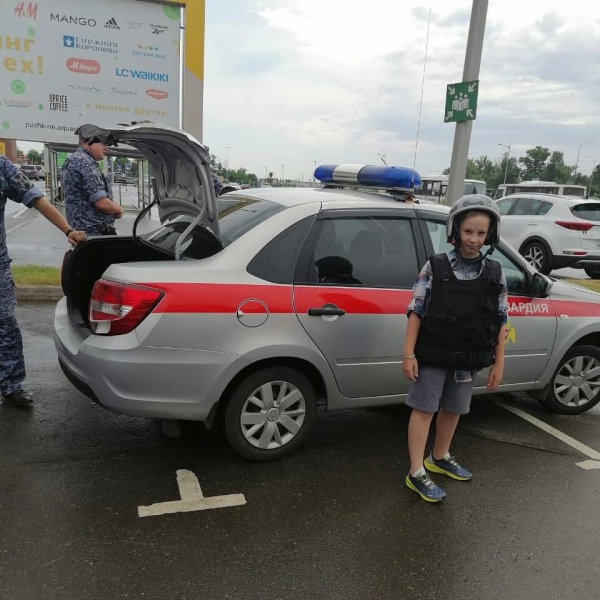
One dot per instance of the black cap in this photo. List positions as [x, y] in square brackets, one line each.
[92, 134]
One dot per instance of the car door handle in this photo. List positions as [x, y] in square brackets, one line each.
[329, 310]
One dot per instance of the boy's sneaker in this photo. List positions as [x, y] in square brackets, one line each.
[447, 467]
[425, 487]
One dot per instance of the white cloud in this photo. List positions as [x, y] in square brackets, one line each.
[288, 81]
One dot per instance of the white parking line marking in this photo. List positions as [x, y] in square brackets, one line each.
[191, 499]
[18, 214]
[18, 226]
[563, 437]
[589, 464]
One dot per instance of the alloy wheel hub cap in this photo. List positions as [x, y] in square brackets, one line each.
[273, 415]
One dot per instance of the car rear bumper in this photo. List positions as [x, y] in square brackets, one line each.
[140, 381]
[576, 262]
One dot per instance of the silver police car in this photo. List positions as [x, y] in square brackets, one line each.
[257, 307]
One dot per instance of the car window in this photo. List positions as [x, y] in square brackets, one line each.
[544, 208]
[516, 280]
[240, 214]
[237, 216]
[528, 206]
[371, 252]
[505, 204]
[590, 211]
[277, 260]
[574, 191]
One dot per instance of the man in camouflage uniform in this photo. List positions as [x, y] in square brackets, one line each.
[16, 186]
[218, 185]
[87, 192]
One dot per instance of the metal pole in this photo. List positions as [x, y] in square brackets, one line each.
[282, 181]
[313, 161]
[577, 161]
[462, 133]
[507, 159]
[592, 176]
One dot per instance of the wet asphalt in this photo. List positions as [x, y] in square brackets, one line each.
[335, 520]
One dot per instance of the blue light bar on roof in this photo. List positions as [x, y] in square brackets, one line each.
[396, 178]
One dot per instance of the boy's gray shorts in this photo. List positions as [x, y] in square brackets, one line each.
[436, 387]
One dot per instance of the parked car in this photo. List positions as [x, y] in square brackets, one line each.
[257, 307]
[131, 178]
[552, 231]
[30, 171]
[119, 177]
[41, 171]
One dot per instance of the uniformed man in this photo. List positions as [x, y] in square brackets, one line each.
[87, 192]
[15, 185]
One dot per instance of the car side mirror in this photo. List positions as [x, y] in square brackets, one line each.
[540, 286]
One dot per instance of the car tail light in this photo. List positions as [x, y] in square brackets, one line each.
[118, 308]
[575, 225]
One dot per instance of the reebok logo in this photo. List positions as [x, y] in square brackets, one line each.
[112, 24]
[148, 75]
[158, 29]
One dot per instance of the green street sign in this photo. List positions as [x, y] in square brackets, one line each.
[461, 101]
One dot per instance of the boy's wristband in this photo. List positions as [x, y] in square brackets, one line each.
[409, 357]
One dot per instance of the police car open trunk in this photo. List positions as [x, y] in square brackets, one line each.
[186, 203]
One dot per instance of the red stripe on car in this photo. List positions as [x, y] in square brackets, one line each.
[227, 297]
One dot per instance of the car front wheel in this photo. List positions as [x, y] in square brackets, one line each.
[575, 386]
[270, 413]
[537, 255]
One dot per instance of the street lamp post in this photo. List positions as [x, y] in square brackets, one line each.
[383, 157]
[313, 161]
[282, 180]
[227, 149]
[577, 161]
[594, 160]
[507, 159]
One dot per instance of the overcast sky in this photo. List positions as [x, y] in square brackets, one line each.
[289, 81]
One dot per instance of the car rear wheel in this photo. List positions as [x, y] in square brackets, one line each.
[270, 413]
[593, 272]
[575, 386]
[537, 255]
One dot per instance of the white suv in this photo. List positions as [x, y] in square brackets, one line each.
[553, 232]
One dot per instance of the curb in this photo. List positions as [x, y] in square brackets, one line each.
[39, 293]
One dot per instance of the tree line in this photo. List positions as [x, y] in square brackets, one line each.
[538, 163]
[240, 175]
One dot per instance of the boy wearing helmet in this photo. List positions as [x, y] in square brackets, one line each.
[455, 328]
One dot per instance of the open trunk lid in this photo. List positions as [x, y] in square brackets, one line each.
[183, 180]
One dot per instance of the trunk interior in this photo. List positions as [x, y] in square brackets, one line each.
[84, 265]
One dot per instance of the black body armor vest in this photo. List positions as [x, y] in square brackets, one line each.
[460, 328]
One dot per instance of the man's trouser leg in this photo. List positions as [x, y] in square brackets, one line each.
[12, 363]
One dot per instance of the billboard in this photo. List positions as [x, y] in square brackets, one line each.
[65, 63]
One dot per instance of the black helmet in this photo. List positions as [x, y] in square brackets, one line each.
[92, 134]
[468, 203]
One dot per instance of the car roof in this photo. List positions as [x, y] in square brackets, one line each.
[340, 197]
[540, 196]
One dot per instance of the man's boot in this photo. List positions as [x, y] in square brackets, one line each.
[19, 398]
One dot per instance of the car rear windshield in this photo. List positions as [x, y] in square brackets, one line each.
[237, 216]
[590, 211]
